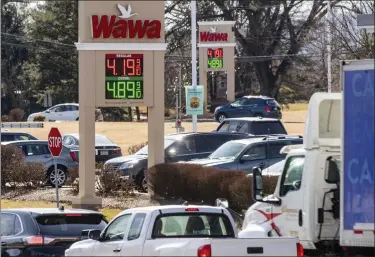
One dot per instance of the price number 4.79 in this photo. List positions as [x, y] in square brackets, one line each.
[125, 89]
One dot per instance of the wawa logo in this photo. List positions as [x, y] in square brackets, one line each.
[213, 35]
[120, 27]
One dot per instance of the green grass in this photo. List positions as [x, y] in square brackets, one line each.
[8, 204]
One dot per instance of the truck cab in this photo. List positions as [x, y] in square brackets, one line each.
[303, 184]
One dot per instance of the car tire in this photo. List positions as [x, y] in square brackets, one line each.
[77, 119]
[141, 182]
[220, 117]
[62, 175]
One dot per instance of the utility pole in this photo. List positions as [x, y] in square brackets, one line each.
[329, 47]
[194, 53]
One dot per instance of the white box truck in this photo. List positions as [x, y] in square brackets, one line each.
[325, 193]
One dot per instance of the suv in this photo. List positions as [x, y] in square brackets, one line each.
[247, 153]
[249, 106]
[7, 136]
[45, 231]
[178, 147]
[253, 125]
[36, 151]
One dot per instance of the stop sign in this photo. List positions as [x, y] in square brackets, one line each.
[55, 142]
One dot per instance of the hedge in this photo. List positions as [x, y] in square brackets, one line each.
[196, 183]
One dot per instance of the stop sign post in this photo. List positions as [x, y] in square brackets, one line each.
[55, 147]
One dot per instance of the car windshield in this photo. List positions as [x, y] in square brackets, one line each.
[144, 150]
[229, 150]
[102, 140]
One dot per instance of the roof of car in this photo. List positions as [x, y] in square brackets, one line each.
[20, 141]
[248, 141]
[259, 96]
[50, 211]
[178, 136]
[252, 119]
[13, 132]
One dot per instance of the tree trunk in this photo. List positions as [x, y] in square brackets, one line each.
[130, 113]
[138, 114]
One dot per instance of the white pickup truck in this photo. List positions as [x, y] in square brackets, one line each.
[179, 230]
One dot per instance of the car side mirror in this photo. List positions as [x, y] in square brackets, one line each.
[257, 184]
[222, 202]
[94, 234]
[246, 157]
[332, 173]
[47, 111]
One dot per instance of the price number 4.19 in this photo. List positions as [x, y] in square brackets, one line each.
[125, 89]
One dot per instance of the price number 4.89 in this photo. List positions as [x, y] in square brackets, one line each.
[215, 63]
[125, 89]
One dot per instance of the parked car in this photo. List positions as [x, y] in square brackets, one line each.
[45, 232]
[105, 149]
[36, 151]
[253, 125]
[249, 106]
[178, 147]
[7, 136]
[244, 154]
[60, 112]
[178, 230]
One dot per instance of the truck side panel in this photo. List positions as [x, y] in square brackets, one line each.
[357, 179]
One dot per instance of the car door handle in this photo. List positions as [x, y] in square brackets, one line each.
[3, 243]
[117, 250]
[262, 164]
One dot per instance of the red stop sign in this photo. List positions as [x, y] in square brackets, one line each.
[55, 142]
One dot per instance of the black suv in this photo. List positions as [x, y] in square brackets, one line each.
[7, 136]
[252, 125]
[249, 106]
[178, 147]
[45, 231]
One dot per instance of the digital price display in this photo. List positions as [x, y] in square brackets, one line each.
[215, 58]
[124, 76]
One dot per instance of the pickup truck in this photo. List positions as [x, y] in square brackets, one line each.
[179, 230]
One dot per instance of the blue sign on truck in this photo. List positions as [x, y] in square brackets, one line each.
[358, 148]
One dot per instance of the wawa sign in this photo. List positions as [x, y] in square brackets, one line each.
[212, 36]
[106, 26]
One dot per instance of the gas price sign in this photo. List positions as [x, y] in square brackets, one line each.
[215, 58]
[124, 76]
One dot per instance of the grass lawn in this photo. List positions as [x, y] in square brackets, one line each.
[126, 134]
[7, 204]
[298, 107]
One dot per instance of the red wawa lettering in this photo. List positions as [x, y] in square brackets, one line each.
[106, 27]
[208, 36]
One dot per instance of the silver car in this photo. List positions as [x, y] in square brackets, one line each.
[36, 151]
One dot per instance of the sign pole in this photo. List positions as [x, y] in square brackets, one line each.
[194, 53]
[56, 183]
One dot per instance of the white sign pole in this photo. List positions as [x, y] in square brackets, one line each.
[194, 53]
[56, 183]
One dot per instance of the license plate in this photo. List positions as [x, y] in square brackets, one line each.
[104, 152]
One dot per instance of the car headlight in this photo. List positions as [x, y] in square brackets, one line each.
[127, 165]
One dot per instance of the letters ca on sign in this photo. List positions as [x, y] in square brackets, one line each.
[106, 26]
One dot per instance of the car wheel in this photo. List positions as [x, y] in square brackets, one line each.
[141, 183]
[61, 176]
[221, 117]
[77, 118]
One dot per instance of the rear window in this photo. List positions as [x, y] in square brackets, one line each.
[265, 128]
[102, 140]
[192, 225]
[69, 225]
[223, 127]
[272, 102]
